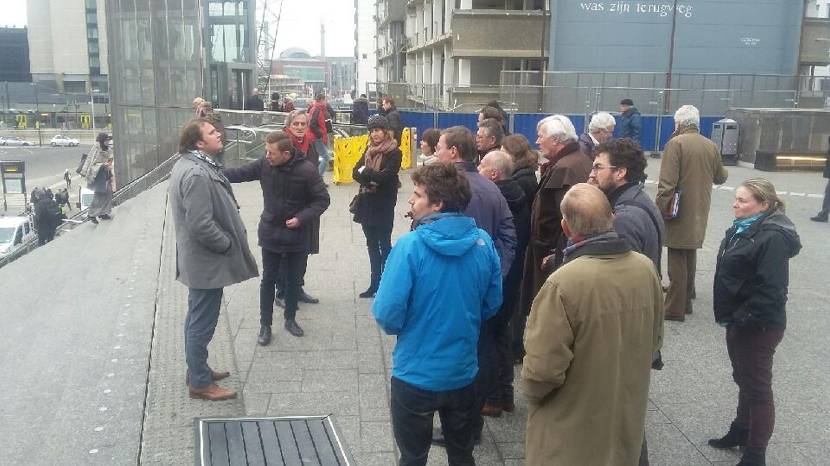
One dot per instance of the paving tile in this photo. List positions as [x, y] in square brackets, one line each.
[376, 437]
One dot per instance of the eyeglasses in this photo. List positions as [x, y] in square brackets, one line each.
[597, 167]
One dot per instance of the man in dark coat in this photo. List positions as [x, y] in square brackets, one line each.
[211, 248]
[294, 196]
[488, 136]
[498, 167]
[825, 204]
[492, 214]
[630, 120]
[47, 217]
[254, 101]
[600, 129]
[566, 166]
[360, 110]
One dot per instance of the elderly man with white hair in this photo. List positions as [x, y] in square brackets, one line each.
[691, 164]
[566, 166]
[600, 129]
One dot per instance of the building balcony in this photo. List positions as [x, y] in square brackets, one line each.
[499, 33]
[815, 42]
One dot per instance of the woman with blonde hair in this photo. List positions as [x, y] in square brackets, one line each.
[750, 296]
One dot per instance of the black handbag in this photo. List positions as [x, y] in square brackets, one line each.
[357, 200]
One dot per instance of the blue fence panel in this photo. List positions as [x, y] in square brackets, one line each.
[420, 120]
[470, 120]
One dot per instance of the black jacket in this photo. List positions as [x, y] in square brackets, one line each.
[520, 208]
[752, 273]
[394, 118]
[294, 189]
[360, 111]
[526, 177]
[378, 208]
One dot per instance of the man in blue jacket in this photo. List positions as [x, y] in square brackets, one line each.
[630, 120]
[441, 281]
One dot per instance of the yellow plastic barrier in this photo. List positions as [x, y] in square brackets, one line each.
[347, 152]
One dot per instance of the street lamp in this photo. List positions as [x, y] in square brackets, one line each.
[37, 116]
[92, 103]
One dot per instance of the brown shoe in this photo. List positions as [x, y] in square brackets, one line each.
[212, 392]
[509, 407]
[491, 410]
[675, 318]
[215, 376]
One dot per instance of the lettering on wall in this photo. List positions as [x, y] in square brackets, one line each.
[661, 9]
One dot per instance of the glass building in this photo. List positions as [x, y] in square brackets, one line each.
[163, 54]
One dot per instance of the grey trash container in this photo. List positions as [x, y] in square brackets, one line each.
[725, 134]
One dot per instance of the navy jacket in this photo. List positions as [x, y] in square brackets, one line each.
[630, 124]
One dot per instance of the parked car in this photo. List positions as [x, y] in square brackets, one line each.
[61, 140]
[14, 141]
[15, 233]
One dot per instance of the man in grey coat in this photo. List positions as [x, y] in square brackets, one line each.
[211, 248]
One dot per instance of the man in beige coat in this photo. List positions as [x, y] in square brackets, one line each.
[591, 333]
[691, 164]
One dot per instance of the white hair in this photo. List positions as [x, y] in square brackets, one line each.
[559, 127]
[601, 120]
[687, 115]
[499, 161]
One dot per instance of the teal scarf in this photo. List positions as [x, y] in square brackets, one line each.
[742, 224]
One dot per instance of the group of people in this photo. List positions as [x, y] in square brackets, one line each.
[561, 273]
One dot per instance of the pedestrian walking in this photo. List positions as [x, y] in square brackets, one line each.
[591, 333]
[360, 110]
[294, 197]
[211, 248]
[441, 283]
[319, 131]
[750, 296]
[691, 164]
[68, 179]
[374, 205]
[630, 120]
[822, 215]
[48, 216]
[98, 173]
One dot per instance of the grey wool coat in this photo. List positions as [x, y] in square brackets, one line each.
[211, 242]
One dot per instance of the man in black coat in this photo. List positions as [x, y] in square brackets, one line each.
[360, 110]
[294, 196]
[392, 115]
[825, 204]
[498, 167]
[48, 216]
[254, 101]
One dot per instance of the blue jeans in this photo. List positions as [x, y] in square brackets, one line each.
[412, 412]
[199, 325]
[323, 153]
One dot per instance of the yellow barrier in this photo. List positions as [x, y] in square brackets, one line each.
[347, 152]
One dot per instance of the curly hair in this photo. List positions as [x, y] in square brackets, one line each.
[444, 183]
[625, 153]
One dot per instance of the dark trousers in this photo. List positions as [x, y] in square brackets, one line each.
[412, 412]
[751, 352]
[302, 270]
[378, 243]
[825, 204]
[486, 380]
[199, 325]
[501, 339]
[281, 267]
[45, 235]
[682, 265]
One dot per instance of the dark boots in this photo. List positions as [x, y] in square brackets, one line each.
[736, 437]
[753, 457]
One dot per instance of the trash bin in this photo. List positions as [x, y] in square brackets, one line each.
[725, 136]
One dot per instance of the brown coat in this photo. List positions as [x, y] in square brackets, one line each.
[589, 341]
[571, 168]
[691, 164]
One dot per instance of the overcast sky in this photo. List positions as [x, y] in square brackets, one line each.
[299, 25]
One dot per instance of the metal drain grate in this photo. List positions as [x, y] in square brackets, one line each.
[289, 441]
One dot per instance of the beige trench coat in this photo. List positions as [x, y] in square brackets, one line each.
[691, 164]
[590, 338]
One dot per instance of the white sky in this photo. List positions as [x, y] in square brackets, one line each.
[299, 25]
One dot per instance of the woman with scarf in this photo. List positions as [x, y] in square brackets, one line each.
[750, 296]
[374, 206]
[98, 173]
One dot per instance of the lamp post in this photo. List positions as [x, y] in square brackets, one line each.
[37, 116]
[92, 106]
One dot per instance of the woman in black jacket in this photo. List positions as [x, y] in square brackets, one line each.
[374, 207]
[750, 295]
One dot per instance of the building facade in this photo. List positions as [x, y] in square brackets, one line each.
[391, 40]
[230, 51]
[340, 75]
[365, 44]
[14, 55]
[67, 44]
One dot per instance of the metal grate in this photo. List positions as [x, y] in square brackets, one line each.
[289, 441]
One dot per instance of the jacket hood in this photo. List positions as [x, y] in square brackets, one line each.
[781, 223]
[449, 234]
[512, 192]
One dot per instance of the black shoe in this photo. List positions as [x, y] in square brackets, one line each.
[293, 328]
[736, 437]
[753, 457]
[105, 217]
[306, 298]
[819, 218]
[370, 292]
[438, 438]
[264, 335]
[93, 220]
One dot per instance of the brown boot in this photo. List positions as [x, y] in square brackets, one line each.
[212, 392]
[679, 318]
[213, 375]
[491, 410]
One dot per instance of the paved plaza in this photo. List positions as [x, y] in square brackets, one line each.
[93, 358]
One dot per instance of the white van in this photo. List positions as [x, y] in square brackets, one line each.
[84, 198]
[15, 233]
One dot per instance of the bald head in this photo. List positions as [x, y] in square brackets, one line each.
[586, 211]
[496, 165]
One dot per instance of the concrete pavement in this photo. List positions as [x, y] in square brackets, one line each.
[64, 306]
